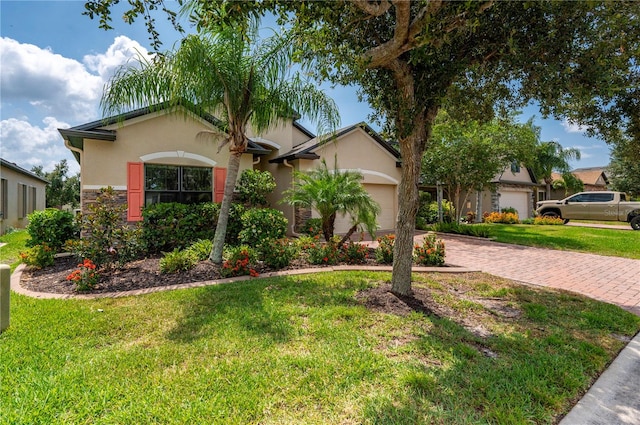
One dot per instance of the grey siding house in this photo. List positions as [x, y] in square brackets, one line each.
[21, 193]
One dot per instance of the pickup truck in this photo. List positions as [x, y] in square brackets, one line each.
[606, 206]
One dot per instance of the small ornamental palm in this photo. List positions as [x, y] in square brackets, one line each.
[331, 192]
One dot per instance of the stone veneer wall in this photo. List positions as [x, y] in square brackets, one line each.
[89, 197]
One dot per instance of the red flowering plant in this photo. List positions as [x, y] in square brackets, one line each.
[324, 253]
[238, 262]
[354, 253]
[85, 276]
[277, 253]
[431, 252]
[384, 252]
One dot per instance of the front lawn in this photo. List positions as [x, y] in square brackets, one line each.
[15, 243]
[308, 349]
[612, 242]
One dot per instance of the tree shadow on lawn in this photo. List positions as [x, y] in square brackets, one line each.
[261, 307]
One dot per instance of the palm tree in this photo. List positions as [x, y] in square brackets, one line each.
[243, 83]
[550, 157]
[333, 192]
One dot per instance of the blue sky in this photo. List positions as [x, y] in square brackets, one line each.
[54, 62]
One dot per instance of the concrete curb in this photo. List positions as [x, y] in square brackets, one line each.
[17, 275]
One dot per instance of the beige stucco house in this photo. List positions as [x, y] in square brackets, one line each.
[21, 193]
[515, 187]
[593, 178]
[156, 155]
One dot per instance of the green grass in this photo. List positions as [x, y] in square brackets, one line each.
[9, 254]
[611, 242]
[303, 350]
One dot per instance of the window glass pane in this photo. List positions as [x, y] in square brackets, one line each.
[196, 179]
[161, 177]
[196, 197]
[160, 197]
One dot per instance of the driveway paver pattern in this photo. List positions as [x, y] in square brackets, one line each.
[611, 279]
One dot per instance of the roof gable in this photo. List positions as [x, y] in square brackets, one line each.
[307, 149]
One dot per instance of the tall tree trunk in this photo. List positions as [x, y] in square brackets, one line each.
[408, 207]
[548, 184]
[411, 149]
[221, 228]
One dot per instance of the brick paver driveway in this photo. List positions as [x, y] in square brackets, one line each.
[611, 279]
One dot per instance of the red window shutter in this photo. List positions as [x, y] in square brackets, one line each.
[219, 179]
[135, 190]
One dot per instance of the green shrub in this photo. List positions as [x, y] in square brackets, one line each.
[259, 224]
[238, 261]
[430, 253]
[38, 256]
[428, 214]
[509, 210]
[353, 253]
[234, 225]
[312, 227]
[178, 261]
[477, 230]
[105, 240]
[384, 252]
[253, 187]
[527, 221]
[201, 248]
[167, 226]
[51, 226]
[277, 253]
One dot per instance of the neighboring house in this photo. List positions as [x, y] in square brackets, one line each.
[516, 187]
[21, 193]
[594, 178]
[154, 155]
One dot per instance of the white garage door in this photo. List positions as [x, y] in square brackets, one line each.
[517, 200]
[385, 196]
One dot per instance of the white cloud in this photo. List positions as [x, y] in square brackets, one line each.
[63, 90]
[59, 86]
[28, 145]
[572, 127]
[56, 85]
[122, 51]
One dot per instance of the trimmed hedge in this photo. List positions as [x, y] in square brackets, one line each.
[167, 226]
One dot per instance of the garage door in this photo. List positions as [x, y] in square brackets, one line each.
[517, 200]
[385, 196]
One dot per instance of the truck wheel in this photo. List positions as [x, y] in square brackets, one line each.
[635, 222]
[551, 214]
